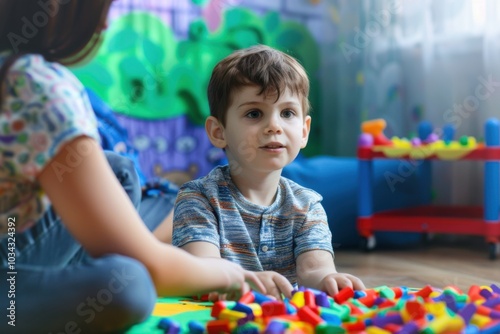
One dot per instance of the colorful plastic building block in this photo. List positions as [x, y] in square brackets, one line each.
[382, 310]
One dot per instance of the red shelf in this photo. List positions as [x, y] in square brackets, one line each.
[431, 219]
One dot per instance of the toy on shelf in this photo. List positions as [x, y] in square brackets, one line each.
[426, 218]
[381, 310]
[375, 130]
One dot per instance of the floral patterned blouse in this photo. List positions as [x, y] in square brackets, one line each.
[44, 107]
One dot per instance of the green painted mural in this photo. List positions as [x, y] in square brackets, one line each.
[143, 71]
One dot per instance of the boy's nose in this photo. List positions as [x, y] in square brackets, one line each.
[274, 125]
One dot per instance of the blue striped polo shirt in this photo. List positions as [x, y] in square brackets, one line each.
[259, 238]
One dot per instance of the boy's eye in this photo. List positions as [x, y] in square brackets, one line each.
[253, 114]
[287, 113]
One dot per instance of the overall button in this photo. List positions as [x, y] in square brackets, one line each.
[265, 248]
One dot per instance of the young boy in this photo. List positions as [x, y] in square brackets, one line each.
[246, 211]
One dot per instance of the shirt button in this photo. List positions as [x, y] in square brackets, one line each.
[265, 248]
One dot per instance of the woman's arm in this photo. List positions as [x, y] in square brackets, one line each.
[202, 249]
[98, 213]
[274, 283]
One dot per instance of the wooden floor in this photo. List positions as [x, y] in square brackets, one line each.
[445, 260]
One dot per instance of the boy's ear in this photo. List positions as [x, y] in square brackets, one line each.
[306, 127]
[215, 132]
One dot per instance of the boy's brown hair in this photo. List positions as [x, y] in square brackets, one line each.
[270, 69]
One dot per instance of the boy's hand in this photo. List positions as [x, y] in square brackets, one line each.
[275, 284]
[334, 282]
[316, 269]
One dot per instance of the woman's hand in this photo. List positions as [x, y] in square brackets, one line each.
[276, 286]
[231, 280]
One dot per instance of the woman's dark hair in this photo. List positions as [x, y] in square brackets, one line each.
[65, 31]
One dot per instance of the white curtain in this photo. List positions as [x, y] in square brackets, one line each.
[414, 60]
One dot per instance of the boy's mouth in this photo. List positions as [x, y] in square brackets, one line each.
[273, 145]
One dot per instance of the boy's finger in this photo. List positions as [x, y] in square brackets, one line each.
[283, 285]
[331, 287]
[357, 283]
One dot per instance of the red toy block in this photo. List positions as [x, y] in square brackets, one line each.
[203, 298]
[474, 293]
[398, 292]
[386, 303]
[217, 308]
[368, 300]
[415, 310]
[424, 292]
[247, 298]
[309, 298]
[273, 308]
[218, 327]
[354, 310]
[355, 327]
[306, 314]
[343, 295]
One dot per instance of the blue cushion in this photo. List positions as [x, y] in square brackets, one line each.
[336, 179]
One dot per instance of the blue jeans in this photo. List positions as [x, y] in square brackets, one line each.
[58, 288]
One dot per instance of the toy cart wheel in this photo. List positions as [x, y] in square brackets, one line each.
[368, 244]
[426, 237]
[493, 248]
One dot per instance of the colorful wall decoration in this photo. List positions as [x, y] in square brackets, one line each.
[155, 78]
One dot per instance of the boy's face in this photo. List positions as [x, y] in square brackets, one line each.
[261, 133]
